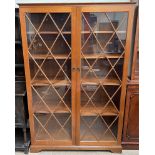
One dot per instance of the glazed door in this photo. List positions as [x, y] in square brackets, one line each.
[103, 58]
[47, 34]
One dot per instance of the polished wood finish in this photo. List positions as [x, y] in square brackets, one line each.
[135, 63]
[131, 120]
[115, 149]
[125, 69]
[74, 77]
[130, 139]
[78, 63]
[76, 12]
[54, 9]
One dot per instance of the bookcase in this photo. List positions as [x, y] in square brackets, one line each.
[76, 60]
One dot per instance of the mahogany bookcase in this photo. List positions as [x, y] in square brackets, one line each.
[76, 59]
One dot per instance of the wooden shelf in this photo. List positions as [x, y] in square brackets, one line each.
[18, 42]
[22, 125]
[109, 110]
[103, 32]
[94, 81]
[43, 82]
[100, 56]
[49, 32]
[19, 125]
[43, 108]
[87, 56]
[56, 56]
[19, 65]
[82, 32]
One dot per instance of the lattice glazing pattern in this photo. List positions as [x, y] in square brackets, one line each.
[103, 39]
[49, 49]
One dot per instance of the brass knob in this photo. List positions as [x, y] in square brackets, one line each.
[78, 69]
[73, 69]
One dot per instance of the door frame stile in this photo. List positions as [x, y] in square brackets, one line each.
[78, 89]
[73, 73]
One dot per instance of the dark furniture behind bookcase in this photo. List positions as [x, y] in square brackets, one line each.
[131, 119]
[22, 138]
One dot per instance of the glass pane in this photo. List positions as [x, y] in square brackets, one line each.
[49, 49]
[103, 39]
[51, 99]
[101, 70]
[50, 127]
[104, 32]
[61, 70]
[49, 33]
[97, 129]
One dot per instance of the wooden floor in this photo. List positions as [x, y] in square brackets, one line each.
[125, 152]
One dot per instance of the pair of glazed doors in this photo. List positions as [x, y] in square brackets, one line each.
[76, 60]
